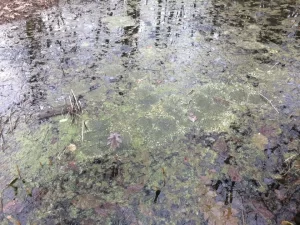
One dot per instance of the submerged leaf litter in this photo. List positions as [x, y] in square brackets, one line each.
[180, 113]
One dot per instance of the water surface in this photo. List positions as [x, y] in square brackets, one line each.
[204, 94]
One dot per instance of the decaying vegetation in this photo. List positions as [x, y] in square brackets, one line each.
[20, 9]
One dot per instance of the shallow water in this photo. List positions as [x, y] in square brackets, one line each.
[204, 94]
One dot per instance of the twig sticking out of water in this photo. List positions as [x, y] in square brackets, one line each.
[264, 97]
[71, 103]
[76, 101]
[75, 108]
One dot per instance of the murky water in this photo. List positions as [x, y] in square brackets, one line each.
[205, 96]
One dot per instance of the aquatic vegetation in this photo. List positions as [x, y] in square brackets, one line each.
[199, 141]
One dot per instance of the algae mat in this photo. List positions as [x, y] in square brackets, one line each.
[151, 113]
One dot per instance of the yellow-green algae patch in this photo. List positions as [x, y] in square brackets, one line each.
[148, 118]
[37, 147]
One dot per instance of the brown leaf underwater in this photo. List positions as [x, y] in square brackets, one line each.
[114, 140]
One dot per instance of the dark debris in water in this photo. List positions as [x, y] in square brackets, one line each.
[231, 187]
[231, 190]
[272, 202]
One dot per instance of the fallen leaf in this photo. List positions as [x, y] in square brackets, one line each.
[101, 211]
[192, 117]
[234, 174]
[284, 222]
[262, 210]
[205, 180]
[71, 166]
[269, 130]
[54, 140]
[106, 208]
[14, 206]
[39, 193]
[134, 188]
[146, 210]
[71, 147]
[218, 214]
[63, 120]
[88, 222]
[221, 101]
[13, 220]
[86, 201]
[260, 141]
[281, 194]
[114, 140]
[220, 145]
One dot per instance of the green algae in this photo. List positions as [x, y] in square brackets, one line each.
[146, 120]
[150, 107]
[36, 147]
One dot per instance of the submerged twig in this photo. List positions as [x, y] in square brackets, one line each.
[290, 158]
[274, 65]
[19, 172]
[10, 123]
[269, 102]
[1, 133]
[2, 138]
[82, 130]
[85, 126]
[164, 175]
[243, 217]
[15, 124]
[73, 108]
[59, 110]
[1, 203]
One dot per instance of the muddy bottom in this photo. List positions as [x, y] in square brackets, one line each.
[149, 112]
[248, 175]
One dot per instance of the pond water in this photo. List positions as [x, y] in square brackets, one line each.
[151, 112]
